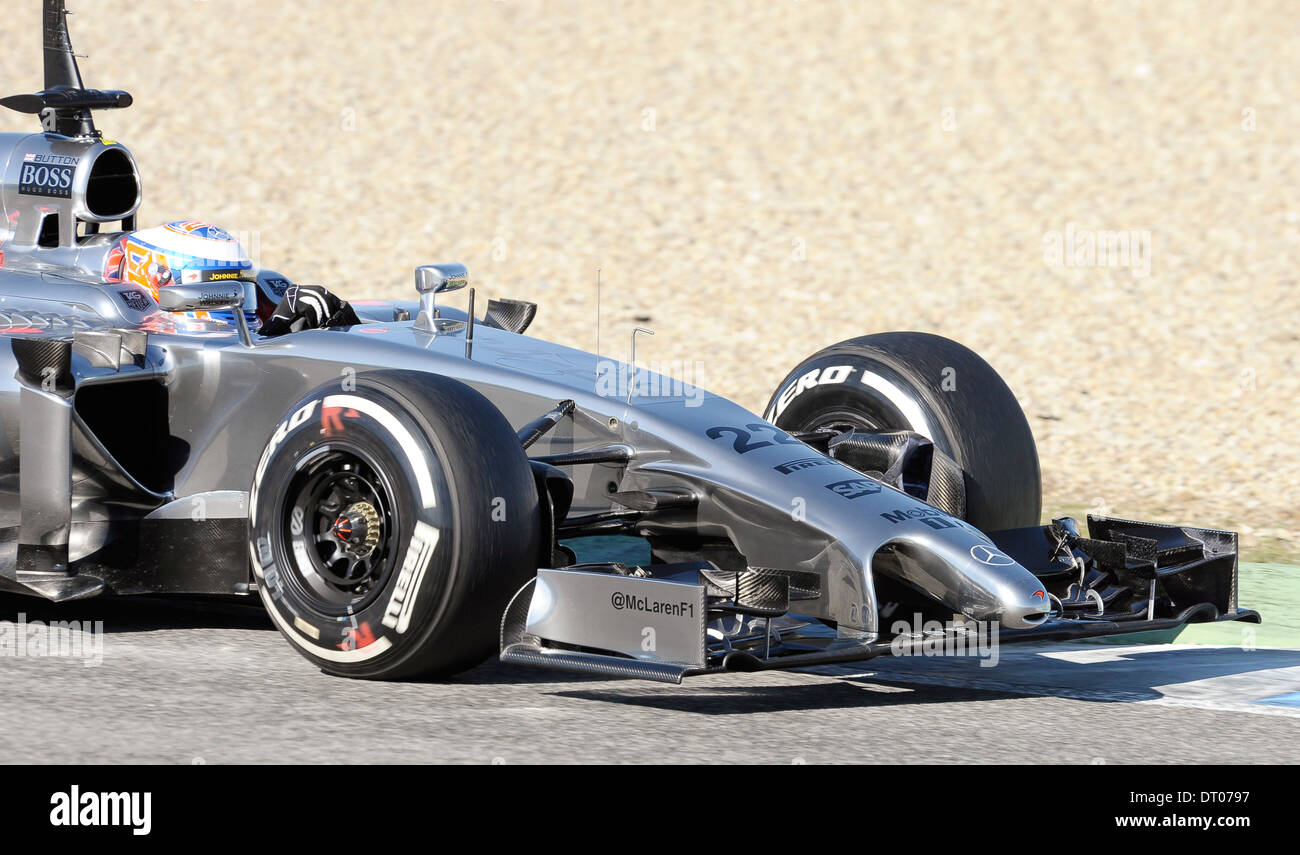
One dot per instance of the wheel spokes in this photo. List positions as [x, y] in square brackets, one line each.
[342, 514]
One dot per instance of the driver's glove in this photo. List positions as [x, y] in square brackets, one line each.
[308, 307]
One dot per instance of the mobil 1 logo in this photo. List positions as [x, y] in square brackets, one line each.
[46, 175]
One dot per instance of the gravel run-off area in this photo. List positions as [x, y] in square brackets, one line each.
[759, 179]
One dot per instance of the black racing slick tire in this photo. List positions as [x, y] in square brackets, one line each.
[392, 521]
[935, 387]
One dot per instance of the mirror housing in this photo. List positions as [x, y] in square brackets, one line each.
[430, 281]
[440, 278]
[208, 297]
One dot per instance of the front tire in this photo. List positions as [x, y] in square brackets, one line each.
[932, 386]
[391, 523]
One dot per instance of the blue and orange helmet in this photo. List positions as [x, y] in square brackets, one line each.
[184, 252]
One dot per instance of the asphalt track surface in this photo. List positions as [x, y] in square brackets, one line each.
[176, 685]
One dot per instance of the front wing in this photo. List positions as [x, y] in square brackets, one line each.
[666, 622]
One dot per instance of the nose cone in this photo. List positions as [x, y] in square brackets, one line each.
[1021, 599]
[967, 572]
[1027, 610]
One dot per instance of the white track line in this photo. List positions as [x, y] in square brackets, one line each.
[1224, 679]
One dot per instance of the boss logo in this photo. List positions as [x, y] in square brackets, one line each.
[855, 488]
[38, 179]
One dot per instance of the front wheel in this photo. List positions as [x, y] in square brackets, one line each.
[391, 523]
[932, 386]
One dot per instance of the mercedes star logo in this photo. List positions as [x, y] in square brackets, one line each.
[990, 556]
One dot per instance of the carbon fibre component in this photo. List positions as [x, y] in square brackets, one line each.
[752, 591]
[65, 103]
[1127, 571]
[67, 100]
[1190, 565]
[800, 585]
[45, 363]
[599, 664]
[540, 426]
[510, 315]
[907, 461]
[555, 491]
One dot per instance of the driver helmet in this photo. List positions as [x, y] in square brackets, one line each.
[186, 252]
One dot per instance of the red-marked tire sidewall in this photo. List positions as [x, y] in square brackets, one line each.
[428, 452]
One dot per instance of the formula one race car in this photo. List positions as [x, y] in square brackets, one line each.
[403, 491]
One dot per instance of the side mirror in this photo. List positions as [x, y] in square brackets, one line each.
[211, 296]
[440, 278]
[430, 281]
[208, 297]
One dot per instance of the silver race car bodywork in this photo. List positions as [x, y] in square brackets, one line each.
[130, 442]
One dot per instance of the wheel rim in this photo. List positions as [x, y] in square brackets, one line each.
[339, 521]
